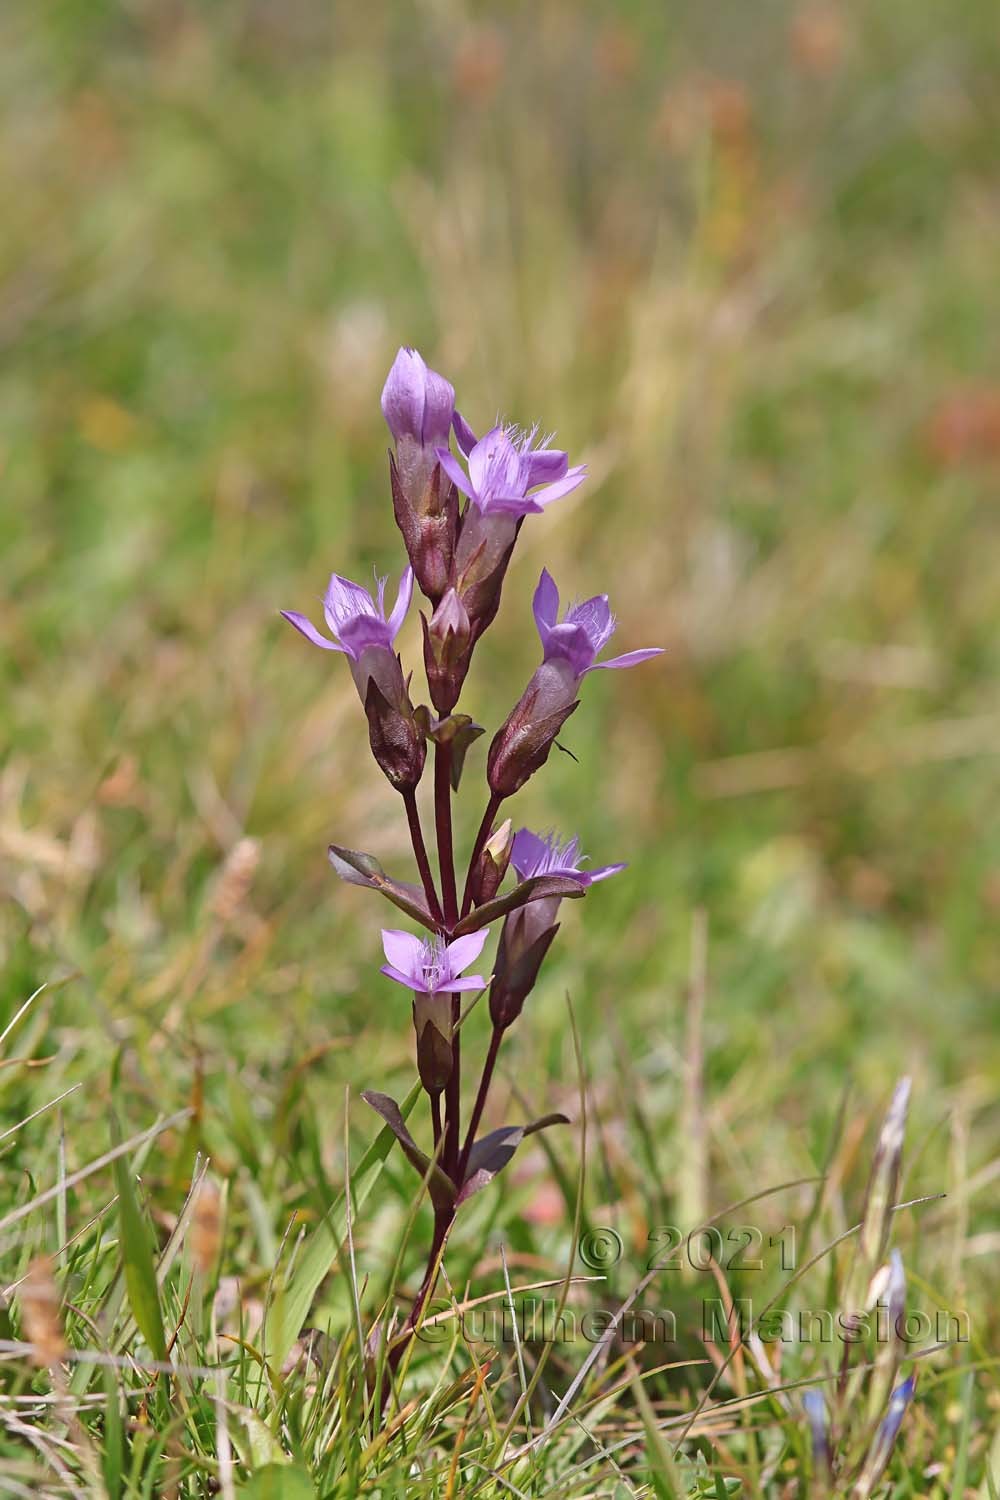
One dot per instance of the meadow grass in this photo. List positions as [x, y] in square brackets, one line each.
[744, 261]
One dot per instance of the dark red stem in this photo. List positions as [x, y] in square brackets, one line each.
[442, 1223]
[442, 824]
[492, 808]
[420, 855]
[480, 1104]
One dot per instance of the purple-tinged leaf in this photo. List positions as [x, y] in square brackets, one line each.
[492, 1152]
[441, 1189]
[363, 869]
[535, 889]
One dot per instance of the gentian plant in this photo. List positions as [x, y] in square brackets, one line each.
[460, 523]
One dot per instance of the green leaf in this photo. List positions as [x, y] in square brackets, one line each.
[293, 1301]
[111, 1447]
[666, 1481]
[138, 1263]
[279, 1482]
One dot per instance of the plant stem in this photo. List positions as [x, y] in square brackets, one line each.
[436, 1118]
[442, 824]
[442, 1223]
[420, 855]
[477, 1109]
[492, 808]
[453, 1095]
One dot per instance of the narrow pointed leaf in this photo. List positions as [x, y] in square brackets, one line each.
[357, 868]
[441, 1189]
[138, 1263]
[535, 889]
[492, 1152]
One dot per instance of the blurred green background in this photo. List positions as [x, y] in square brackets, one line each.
[744, 261]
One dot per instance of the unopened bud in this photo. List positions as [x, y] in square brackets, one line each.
[446, 651]
[491, 866]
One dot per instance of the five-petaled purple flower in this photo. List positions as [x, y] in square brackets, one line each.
[367, 638]
[528, 930]
[583, 632]
[504, 465]
[356, 621]
[537, 854]
[430, 965]
[569, 650]
[508, 478]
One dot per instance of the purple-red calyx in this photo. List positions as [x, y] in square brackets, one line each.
[446, 651]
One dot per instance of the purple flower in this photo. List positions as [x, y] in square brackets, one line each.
[880, 1451]
[417, 403]
[528, 930]
[504, 465]
[522, 744]
[430, 966]
[367, 638]
[895, 1412]
[583, 632]
[536, 854]
[355, 620]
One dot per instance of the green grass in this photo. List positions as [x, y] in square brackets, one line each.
[744, 261]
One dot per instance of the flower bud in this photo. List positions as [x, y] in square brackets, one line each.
[418, 405]
[491, 866]
[522, 743]
[446, 651]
